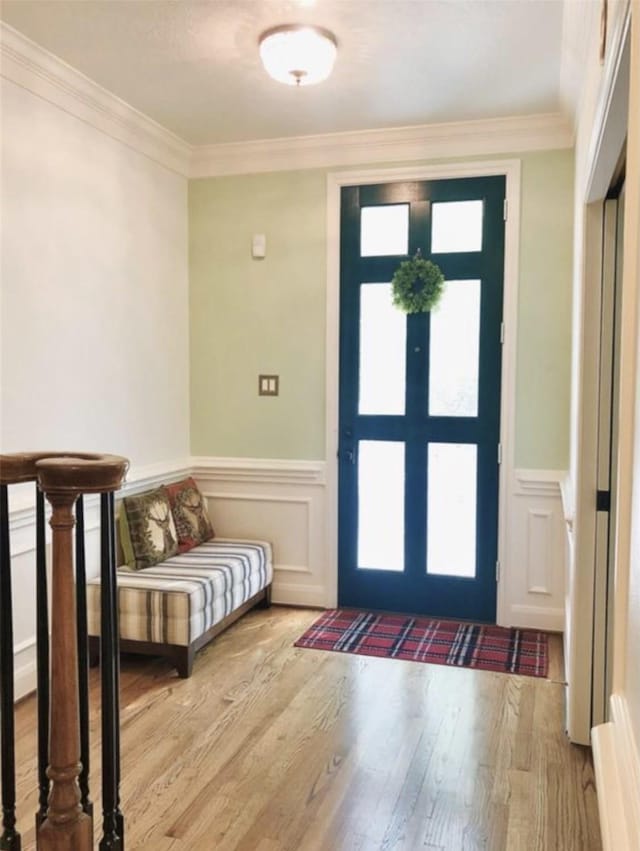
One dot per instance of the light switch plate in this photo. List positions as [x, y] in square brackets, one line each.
[268, 385]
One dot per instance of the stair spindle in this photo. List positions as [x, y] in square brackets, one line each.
[10, 839]
[42, 654]
[116, 657]
[83, 657]
[111, 839]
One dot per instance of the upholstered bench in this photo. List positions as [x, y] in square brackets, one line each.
[174, 608]
[179, 586]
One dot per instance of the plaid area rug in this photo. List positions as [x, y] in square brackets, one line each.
[440, 642]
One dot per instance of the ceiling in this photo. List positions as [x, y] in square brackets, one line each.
[194, 66]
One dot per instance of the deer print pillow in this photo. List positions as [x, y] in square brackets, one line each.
[190, 514]
[151, 529]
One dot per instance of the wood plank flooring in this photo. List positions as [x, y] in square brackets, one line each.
[272, 748]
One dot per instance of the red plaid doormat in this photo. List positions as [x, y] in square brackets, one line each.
[464, 645]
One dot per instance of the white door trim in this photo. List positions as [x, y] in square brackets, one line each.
[511, 169]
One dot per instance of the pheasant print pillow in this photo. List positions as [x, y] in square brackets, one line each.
[151, 528]
[190, 514]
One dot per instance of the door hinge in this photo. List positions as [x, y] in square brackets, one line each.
[603, 500]
[498, 571]
[505, 209]
[499, 453]
[502, 333]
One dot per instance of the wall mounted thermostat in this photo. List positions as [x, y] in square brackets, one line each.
[259, 246]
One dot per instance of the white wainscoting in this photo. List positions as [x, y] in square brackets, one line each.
[280, 501]
[285, 502]
[533, 572]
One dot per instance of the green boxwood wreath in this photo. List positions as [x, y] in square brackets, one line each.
[417, 285]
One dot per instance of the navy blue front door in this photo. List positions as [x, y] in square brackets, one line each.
[420, 400]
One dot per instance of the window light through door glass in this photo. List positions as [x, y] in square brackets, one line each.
[381, 504]
[451, 509]
[384, 230]
[454, 351]
[456, 226]
[383, 352]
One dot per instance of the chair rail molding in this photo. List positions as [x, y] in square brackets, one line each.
[275, 471]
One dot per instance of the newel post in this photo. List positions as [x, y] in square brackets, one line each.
[67, 827]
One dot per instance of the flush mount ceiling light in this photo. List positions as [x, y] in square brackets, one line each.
[298, 55]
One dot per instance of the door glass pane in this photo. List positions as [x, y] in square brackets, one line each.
[454, 351]
[383, 336]
[384, 230]
[451, 509]
[381, 504]
[456, 226]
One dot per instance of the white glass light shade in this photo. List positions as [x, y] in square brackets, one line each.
[298, 55]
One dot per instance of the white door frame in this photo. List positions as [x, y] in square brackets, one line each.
[607, 138]
[511, 169]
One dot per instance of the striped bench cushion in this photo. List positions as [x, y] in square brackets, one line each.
[178, 600]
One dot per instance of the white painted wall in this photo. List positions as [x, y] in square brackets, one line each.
[94, 308]
[94, 290]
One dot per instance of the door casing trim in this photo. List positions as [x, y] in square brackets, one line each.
[511, 169]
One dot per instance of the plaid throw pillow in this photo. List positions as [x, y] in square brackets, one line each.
[150, 529]
[190, 514]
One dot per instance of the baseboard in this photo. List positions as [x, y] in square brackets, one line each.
[25, 671]
[25, 680]
[536, 617]
[291, 594]
[617, 769]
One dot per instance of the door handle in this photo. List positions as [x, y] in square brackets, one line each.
[348, 454]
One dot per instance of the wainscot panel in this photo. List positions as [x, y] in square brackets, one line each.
[534, 569]
[281, 501]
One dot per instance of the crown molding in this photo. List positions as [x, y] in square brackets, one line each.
[35, 69]
[398, 144]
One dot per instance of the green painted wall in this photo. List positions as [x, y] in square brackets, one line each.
[543, 372]
[268, 316]
[257, 316]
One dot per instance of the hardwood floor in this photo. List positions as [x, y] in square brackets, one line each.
[271, 748]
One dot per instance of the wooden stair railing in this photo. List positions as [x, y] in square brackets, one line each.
[64, 820]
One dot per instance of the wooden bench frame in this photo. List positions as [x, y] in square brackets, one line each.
[180, 655]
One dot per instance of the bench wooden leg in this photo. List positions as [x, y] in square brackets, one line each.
[266, 602]
[94, 651]
[183, 661]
